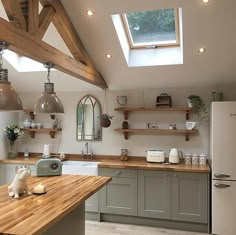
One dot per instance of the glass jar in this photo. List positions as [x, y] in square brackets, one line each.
[124, 155]
[187, 159]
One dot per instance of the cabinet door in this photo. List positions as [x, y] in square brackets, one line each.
[91, 204]
[120, 195]
[1, 174]
[9, 173]
[154, 194]
[190, 197]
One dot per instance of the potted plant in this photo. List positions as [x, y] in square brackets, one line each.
[13, 132]
[196, 103]
[105, 120]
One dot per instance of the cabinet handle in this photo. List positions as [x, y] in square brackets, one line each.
[219, 175]
[221, 185]
[118, 172]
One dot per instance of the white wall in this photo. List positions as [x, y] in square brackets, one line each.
[112, 142]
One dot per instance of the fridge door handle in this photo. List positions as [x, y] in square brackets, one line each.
[217, 185]
[219, 175]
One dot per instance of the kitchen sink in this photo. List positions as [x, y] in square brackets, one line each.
[80, 168]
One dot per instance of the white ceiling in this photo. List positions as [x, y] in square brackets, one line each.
[211, 26]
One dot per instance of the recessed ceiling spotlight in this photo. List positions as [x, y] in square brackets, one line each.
[202, 49]
[108, 56]
[89, 13]
[206, 1]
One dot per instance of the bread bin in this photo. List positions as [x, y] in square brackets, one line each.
[157, 156]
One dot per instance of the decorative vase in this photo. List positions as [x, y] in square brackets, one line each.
[12, 153]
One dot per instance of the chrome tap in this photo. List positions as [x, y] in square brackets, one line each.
[87, 147]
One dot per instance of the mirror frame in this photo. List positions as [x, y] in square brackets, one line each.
[100, 113]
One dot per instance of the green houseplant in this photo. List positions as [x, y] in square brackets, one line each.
[196, 103]
[13, 132]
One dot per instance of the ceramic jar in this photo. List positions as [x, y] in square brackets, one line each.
[187, 159]
[195, 159]
[202, 159]
[33, 124]
[26, 123]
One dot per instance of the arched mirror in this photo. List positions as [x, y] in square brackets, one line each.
[88, 121]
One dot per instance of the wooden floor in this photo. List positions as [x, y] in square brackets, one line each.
[103, 228]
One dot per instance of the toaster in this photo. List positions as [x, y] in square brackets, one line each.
[48, 167]
[155, 156]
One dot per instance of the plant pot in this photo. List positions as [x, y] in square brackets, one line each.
[105, 122]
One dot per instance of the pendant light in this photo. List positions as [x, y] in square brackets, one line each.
[9, 99]
[49, 102]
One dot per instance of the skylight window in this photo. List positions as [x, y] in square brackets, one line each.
[152, 29]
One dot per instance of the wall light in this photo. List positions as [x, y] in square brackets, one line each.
[202, 49]
[108, 56]
[89, 12]
[9, 99]
[49, 102]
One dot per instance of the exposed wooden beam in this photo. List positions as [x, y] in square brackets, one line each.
[26, 44]
[33, 17]
[14, 13]
[45, 18]
[68, 33]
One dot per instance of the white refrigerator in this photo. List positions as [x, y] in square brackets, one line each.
[223, 156]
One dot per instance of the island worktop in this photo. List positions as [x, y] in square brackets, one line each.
[37, 213]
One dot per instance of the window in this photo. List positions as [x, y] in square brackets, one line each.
[152, 29]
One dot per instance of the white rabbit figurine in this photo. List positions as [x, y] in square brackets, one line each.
[19, 184]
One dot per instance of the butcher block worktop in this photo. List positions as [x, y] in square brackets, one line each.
[36, 213]
[133, 163]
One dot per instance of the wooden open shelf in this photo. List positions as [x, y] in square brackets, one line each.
[126, 111]
[52, 132]
[185, 132]
[30, 112]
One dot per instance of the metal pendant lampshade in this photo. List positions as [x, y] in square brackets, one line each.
[9, 99]
[49, 102]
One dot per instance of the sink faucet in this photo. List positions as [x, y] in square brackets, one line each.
[87, 147]
[87, 154]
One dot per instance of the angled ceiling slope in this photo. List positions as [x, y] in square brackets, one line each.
[27, 27]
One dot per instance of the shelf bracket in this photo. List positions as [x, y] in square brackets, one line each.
[125, 115]
[52, 116]
[187, 115]
[187, 137]
[52, 134]
[126, 135]
[32, 134]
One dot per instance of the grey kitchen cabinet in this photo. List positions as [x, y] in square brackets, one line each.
[1, 175]
[91, 204]
[120, 195]
[190, 197]
[154, 194]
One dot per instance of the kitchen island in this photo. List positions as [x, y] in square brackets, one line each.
[59, 211]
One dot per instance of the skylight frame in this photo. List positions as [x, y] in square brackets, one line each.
[151, 44]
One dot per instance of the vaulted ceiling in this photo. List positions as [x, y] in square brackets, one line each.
[210, 26]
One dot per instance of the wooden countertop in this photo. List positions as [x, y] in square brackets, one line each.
[131, 164]
[154, 166]
[36, 213]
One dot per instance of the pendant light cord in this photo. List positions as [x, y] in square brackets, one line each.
[105, 96]
[1, 60]
[48, 76]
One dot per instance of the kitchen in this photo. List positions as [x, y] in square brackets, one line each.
[200, 74]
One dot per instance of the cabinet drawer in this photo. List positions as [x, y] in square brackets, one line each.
[117, 172]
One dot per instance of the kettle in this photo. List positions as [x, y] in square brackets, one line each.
[174, 156]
